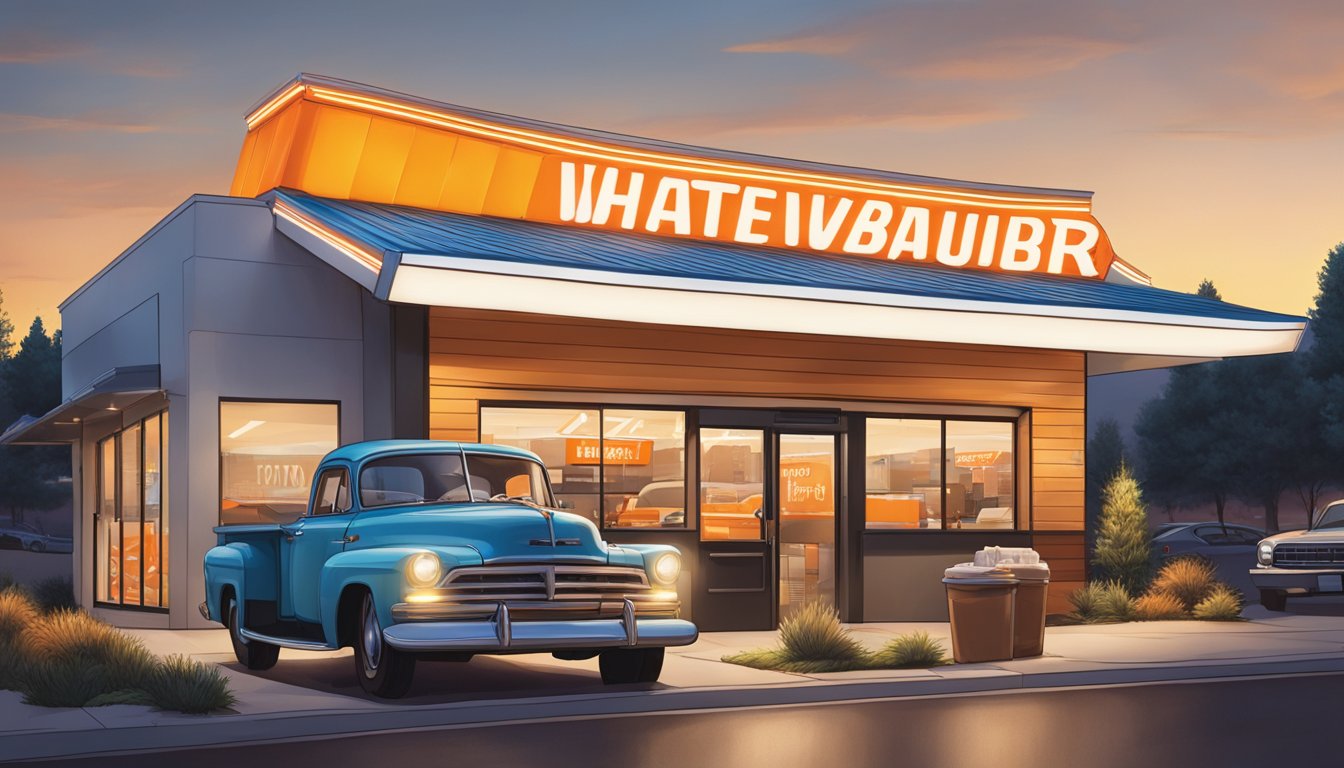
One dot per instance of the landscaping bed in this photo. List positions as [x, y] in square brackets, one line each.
[59, 656]
[814, 641]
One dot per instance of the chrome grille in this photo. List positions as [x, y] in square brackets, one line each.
[541, 582]
[1307, 555]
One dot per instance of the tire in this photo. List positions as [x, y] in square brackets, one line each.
[630, 665]
[1274, 600]
[382, 670]
[37, 546]
[252, 654]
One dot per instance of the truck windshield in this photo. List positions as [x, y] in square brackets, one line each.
[427, 478]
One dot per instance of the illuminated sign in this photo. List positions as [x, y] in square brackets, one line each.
[350, 142]
[974, 459]
[581, 451]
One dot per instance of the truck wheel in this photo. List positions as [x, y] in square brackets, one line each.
[1274, 600]
[252, 654]
[630, 665]
[382, 670]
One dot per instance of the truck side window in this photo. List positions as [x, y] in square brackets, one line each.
[333, 493]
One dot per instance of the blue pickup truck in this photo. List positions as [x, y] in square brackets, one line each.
[422, 549]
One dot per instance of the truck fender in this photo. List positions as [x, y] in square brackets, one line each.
[381, 570]
[229, 565]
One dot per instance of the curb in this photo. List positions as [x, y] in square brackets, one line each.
[231, 730]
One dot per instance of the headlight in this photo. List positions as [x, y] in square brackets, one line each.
[666, 568]
[1265, 553]
[423, 570]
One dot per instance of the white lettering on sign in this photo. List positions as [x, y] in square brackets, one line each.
[594, 194]
[281, 476]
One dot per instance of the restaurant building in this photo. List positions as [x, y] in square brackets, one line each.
[819, 382]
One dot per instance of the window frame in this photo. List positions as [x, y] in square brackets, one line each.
[860, 509]
[602, 408]
[219, 442]
[322, 472]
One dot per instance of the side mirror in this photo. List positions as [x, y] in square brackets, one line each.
[564, 504]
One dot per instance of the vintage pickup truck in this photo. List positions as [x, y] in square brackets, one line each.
[421, 549]
[1302, 563]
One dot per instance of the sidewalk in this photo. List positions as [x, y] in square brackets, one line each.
[315, 695]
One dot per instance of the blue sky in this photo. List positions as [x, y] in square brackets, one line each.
[1212, 132]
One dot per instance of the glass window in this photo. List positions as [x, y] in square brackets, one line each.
[909, 487]
[566, 439]
[268, 453]
[644, 468]
[494, 478]
[413, 479]
[903, 478]
[980, 469]
[333, 493]
[130, 534]
[732, 484]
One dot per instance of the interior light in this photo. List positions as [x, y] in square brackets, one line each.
[248, 427]
[578, 420]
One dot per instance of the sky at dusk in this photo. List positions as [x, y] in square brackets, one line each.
[1212, 131]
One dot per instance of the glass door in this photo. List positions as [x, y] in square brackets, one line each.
[736, 583]
[808, 483]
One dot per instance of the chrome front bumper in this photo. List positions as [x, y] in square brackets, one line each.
[1292, 580]
[501, 633]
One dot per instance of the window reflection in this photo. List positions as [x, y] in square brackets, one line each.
[909, 487]
[130, 532]
[268, 453]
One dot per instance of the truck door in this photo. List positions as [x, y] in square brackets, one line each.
[310, 541]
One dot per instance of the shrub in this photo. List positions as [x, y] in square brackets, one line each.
[1221, 604]
[1084, 601]
[815, 634]
[77, 638]
[913, 651]
[1188, 579]
[1114, 603]
[186, 685]
[1123, 543]
[17, 614]
[810, 641]
[54, 594]
[65, 682]
[1158, 606]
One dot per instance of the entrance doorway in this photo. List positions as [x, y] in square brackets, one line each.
[769, 501]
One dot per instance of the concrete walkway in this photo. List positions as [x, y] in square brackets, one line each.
[315, 695]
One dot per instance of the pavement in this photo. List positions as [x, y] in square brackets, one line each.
[314, 695]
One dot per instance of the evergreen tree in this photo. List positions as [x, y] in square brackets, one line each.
[30, 384]
[1123, 542]
[1207, 290]
[1325, 362]
[6, 330]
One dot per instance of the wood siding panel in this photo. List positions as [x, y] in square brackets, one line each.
[1066, 556]
[476, 355]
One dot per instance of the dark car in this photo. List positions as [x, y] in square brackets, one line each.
[25, 536]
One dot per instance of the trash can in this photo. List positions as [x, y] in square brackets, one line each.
[1029, 607]
[980, 608]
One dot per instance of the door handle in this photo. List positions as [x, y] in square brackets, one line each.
[351, 539]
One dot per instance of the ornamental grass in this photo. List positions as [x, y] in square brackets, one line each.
[1158, 606]
[183, 684]
[916, 650]
[1221, 604]
[1188, 579]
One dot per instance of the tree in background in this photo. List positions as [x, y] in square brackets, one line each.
[30, 384]
[1186, 451]
[1105, 455]
[1123, 543]
[6, 331]
[1207, 290]
[1325, 362]
[1261, 417]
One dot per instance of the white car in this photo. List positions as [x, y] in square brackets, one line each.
[1302, 563]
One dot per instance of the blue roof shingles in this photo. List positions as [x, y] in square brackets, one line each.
[412, 230]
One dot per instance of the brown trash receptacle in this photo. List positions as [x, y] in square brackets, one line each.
[1029, 608]
[981, 613]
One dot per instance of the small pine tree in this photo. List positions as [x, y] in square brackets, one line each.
[1123, 542]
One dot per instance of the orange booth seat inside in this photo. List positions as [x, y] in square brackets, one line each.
[894, 511]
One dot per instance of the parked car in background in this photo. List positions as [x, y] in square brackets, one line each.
[1302, 563]
[25, 536]
[1230, 547]
[419, 549]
